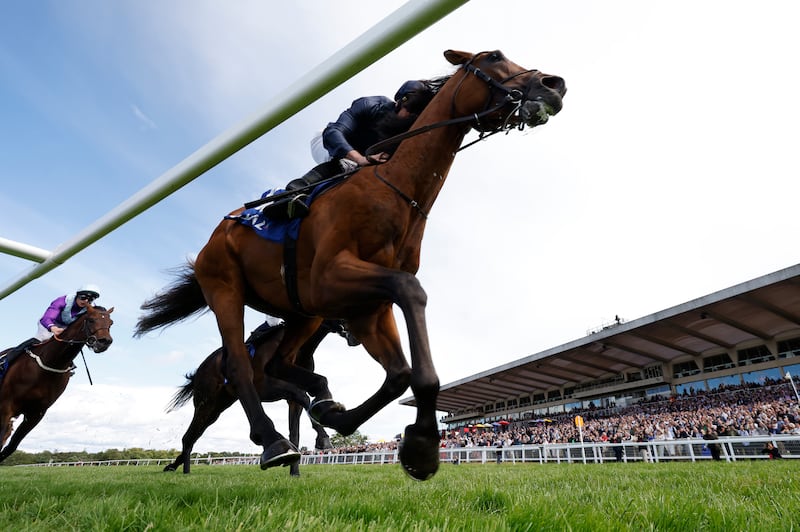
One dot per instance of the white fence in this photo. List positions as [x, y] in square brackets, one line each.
[732, 449]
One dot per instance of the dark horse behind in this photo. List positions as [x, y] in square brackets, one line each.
[212, 394]
[38, 377]
[355, 259]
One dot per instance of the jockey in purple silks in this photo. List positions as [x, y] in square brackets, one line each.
[64, 310]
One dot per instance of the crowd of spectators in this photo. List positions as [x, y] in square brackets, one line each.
[745, 410]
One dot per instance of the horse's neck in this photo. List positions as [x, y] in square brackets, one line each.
[421, 163]
[58, 353]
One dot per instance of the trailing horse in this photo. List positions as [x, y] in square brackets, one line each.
[41, 373]
[354, 258]
[212, 394]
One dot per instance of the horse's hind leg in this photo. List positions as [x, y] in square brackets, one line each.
[323, 440]
[294, 433]
[28, 423]
[205, 414]
[219, 276]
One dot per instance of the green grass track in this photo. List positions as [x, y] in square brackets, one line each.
[762, 495]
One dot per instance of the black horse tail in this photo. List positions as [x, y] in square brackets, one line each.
[183, 394]
[182, 299]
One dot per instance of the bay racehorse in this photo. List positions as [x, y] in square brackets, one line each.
[38, 377]
[212, 394]
[355, 257]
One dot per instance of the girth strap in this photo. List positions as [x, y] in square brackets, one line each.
[290, 273]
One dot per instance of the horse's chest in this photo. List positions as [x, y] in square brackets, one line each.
[45, 390]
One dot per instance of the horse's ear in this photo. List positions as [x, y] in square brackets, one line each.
[111, 310]
[457, 58]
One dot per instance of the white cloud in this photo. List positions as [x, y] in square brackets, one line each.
[147, 123]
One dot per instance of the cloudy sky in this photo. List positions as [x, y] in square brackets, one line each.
[671, 173]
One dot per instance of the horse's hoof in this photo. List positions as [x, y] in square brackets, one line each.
[323, 444]
[419, 453]
[319, 408]
[280, 453]
[169, 468]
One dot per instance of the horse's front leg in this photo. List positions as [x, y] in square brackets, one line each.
[277, 449]
[358, 283]
[378, 334]
[419, 450]
[229, 312]
[29, 421]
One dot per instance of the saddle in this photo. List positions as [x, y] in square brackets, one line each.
[8, 356]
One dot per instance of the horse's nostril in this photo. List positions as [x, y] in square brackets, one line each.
[555, 83]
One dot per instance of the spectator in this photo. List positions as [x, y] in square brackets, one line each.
[772, 451]
[710, 434]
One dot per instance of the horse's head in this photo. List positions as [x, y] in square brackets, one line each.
[94, 328]
[507, 94]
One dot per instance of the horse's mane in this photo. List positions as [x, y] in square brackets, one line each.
[435, 84]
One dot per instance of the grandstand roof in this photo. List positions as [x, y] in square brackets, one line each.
[754, 312]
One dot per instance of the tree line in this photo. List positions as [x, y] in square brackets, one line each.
[134, 453]
[137, 453]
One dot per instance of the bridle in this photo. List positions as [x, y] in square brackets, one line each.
[90, 337]
[511, 96]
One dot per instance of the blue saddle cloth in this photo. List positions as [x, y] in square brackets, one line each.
[265, 227]
[275, 230]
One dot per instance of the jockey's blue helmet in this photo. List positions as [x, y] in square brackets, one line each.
[412, 85]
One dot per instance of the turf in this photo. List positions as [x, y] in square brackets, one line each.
[762, 495]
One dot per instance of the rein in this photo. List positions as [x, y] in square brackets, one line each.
[304, 189]
[380, 146]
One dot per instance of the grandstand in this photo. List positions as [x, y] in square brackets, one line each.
[745, 334]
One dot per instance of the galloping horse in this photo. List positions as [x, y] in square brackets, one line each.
[212, 394]
[355, 257]
[40, 375]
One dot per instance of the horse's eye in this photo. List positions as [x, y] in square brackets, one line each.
[496, 56]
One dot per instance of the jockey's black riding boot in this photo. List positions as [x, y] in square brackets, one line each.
[297, 207]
